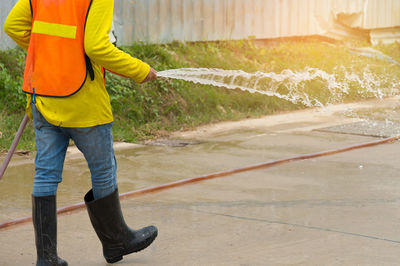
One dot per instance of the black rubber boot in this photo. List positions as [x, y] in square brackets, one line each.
[44, 217]
[115, 236]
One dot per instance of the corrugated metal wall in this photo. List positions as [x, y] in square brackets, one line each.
[5, 7]
[382, 14]
[200, 20]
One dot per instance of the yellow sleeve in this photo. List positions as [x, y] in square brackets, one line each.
[99, 48]
[19, 22]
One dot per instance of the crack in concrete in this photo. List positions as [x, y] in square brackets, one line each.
[299, 225]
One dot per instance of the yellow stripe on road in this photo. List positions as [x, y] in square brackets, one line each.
[53, 29]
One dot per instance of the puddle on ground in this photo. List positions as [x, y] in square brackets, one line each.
[172, 142]
[375, 122]
[367, 128]
[163, 162]
[146, 166]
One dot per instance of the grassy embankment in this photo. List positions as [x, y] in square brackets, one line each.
[156, 108]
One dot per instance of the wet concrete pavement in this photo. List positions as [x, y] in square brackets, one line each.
[341, 209]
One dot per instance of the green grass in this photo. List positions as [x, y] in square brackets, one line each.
[157, 108]
[9, 125]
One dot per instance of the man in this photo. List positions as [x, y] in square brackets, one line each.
[68, 49]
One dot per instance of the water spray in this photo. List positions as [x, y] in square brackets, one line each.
[293, 86]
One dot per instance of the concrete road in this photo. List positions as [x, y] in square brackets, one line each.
[342, 209]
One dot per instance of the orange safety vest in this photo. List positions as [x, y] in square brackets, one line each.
[56, 64]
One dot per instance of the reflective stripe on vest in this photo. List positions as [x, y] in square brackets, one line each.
[54, 29]
[56, 63]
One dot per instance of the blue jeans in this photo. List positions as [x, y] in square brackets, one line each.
[96, 144]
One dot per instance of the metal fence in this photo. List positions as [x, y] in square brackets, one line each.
[162, 21]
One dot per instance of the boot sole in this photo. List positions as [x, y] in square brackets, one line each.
[137, 249]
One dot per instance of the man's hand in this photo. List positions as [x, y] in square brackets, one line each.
[151, 76]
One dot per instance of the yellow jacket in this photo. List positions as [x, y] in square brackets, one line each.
[91, 105]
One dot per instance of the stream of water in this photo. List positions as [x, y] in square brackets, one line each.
[304, 87]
